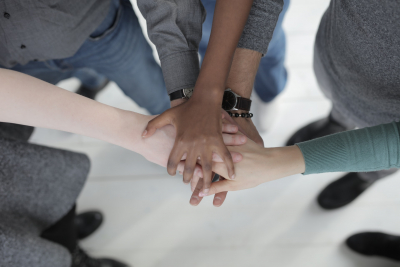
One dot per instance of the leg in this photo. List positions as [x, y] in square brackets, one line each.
[347, 188]
[272, 75]
[123, 55]
[89, 78]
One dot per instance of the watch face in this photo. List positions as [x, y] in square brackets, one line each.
[188, 92]
[229, 100]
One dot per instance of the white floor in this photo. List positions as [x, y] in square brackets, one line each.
[148, 221]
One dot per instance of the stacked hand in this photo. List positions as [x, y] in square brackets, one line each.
[198, 124]
[259, 165]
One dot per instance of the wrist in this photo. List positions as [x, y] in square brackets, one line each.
[210, 96]
[177, 102]
[292, 160]
[126, 130]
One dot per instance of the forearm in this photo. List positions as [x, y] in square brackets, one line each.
[243, 71]
[29, 101]
[229, 19]
[368, 149]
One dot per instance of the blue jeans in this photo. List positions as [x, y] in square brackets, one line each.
[117, 50]
[272, 75]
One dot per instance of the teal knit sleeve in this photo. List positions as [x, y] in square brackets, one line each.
[363, 150]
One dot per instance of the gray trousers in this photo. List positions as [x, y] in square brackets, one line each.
[38, 186]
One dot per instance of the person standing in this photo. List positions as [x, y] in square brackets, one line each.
[356, 65]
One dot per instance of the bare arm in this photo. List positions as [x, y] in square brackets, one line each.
[30, 101]
[241, 80]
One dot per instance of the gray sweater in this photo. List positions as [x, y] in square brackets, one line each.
[357, 59]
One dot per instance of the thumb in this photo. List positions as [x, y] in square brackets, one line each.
[156, 123]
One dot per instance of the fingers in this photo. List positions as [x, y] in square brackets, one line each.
[190, 165]
[227, 158]
[234, 139]
[218, 187]
[219, 199]
[195, 198]
[236, 156]
[174, 159]
[206, 164]
[156, 123]
[229, 128]
[194, 182]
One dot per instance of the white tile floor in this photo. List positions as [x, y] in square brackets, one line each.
[148, 221]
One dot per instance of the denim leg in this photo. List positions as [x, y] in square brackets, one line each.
[272, 75]
[44, 71]
[209, 6]
[89, 78]
[123, 55]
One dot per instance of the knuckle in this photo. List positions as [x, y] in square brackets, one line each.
[171, 164]
[227, 155]
[207, 167]
[188, 169]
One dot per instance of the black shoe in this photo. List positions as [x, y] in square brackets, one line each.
[81, 259]
[91, 93]
[319, 128]
[375, 244]
[86, 223]
[342, 191]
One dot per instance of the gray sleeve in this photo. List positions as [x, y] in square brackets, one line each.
[175, 27]
[260, 25]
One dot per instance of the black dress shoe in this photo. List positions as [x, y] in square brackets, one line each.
[89, 92]
[316, 129]
[86, 223]
[342, 191]
[81, 259]
[375, 244]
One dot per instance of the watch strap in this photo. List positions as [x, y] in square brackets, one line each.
[176, 95]
[243, 104]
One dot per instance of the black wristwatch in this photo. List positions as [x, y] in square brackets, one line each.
[182, 93]
[233, 101]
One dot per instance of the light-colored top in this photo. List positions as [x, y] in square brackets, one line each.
[363, 150]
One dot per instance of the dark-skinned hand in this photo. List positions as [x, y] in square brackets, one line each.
[198, 125]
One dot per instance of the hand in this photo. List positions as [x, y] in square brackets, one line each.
[158, 148]
[198, 124]
[219, 198]
[247, 127]
[259, 165]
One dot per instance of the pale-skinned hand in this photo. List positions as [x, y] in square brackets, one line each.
[259, 165]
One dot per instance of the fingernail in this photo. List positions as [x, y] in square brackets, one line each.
[205, 191]
[233, 177]
[243, 139]
[180, 172]
[144, 133]
[201, 194]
